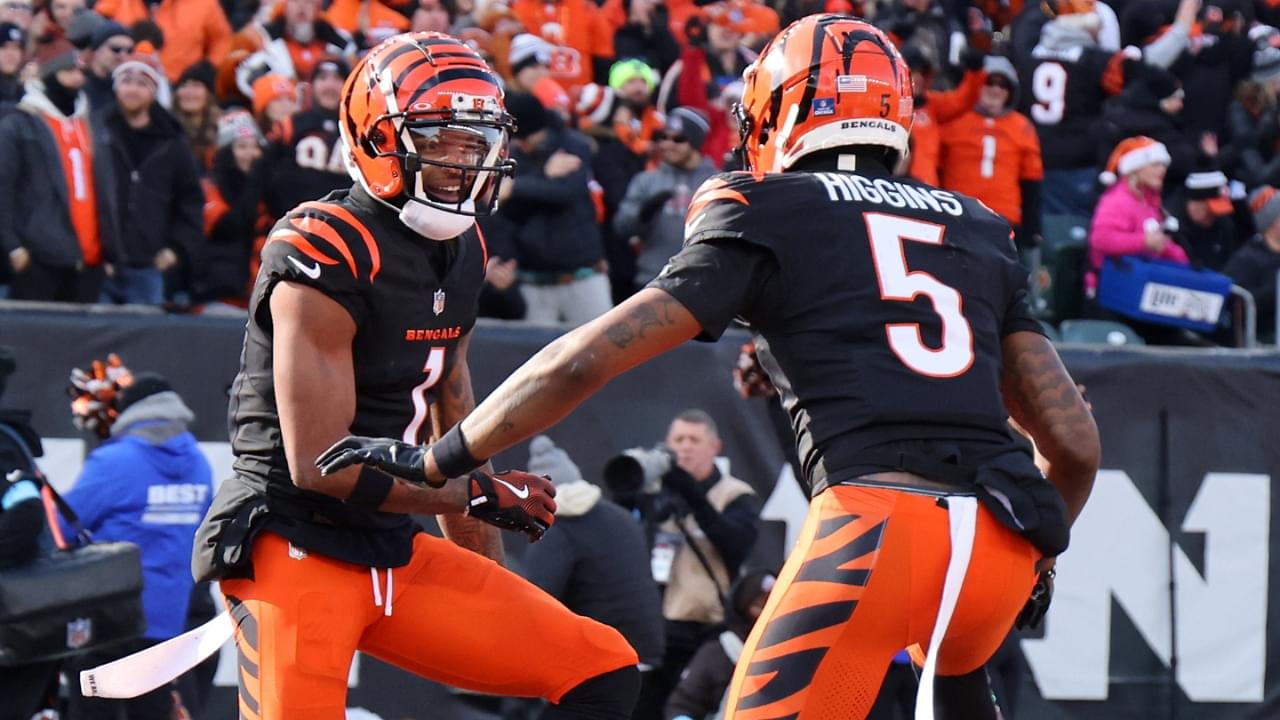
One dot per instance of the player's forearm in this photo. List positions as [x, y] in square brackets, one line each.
[456, 402]
[1042, 398]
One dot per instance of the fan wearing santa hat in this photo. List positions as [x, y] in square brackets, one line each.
[1129, 219]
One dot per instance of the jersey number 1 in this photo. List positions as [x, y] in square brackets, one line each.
[887, 233]
[434, 370]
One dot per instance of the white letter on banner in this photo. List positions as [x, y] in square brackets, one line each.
[1222, 618]
[1120, 548]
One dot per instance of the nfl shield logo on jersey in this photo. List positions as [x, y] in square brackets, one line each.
[79, 633]
[437, 302]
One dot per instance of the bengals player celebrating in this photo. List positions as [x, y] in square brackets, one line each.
[892, 318]
[359, 322]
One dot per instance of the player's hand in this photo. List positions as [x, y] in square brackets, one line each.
[403, 460]
[513, 500]
[1038, 604]
[499, 273]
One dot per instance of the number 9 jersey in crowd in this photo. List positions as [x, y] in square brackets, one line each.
[412, 299]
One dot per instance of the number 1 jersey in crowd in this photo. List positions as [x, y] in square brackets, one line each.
[878, 304]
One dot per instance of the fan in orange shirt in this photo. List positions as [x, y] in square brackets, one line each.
[992, 152]
[581, 38]
[933, 108]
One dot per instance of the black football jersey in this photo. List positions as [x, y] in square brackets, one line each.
[1063, 93]
[878, 304]
[305, 160]
[412, 300]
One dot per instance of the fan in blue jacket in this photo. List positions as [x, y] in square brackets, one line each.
[149, 484]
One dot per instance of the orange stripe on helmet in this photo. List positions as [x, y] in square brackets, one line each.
[375, 257]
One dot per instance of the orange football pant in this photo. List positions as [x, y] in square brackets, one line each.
[455, 617]
[863, 583]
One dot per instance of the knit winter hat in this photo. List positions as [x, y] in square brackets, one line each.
[146, 62]
[595, 104]
[528, 49]
[268, 88]
[625, 71]
[201, 71]
[1266, 53]
[690, 124]
[144, 385]
[1209, 184]
[235, 125]
[55, 56]
[1265, 205]
[11, 33]
[83, 27]
[547, 459]
[104, 32]
[1132, 154]
[333, 64]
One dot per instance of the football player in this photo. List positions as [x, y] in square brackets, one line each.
[359, 322]
[892, 318]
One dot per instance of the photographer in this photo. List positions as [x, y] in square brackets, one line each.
[705, 528]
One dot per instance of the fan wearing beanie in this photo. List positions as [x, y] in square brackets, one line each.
[595, 558]
[236, 218]
[157, 183]
[109, 46]
[56, 241]
[1129, 218]
[1254, 267]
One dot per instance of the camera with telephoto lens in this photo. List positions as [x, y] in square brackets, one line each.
[634, 479]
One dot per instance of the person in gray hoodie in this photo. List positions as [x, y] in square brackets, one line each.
[595, 558]
[652, 212]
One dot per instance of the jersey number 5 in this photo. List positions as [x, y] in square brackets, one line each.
[434, 370]
[887, 233]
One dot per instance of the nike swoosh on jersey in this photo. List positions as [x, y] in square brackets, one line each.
[312, 272]
[522, 493]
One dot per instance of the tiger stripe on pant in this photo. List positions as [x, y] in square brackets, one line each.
[863, 583]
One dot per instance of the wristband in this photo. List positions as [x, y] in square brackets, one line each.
[371, 489]
[452, 457]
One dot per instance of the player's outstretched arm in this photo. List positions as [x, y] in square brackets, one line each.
[316, 398]
[1043, 399]
[569, 370]
[457, 399]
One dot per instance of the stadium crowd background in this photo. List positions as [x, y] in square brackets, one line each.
[146, 148]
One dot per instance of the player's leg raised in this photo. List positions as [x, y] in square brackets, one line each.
[461, 619]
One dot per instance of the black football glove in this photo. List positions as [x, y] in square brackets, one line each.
[392, 456]
[513, 500]
[1038, 605]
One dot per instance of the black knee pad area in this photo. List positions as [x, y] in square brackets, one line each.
[610, 696]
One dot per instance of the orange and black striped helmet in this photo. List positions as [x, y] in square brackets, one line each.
[826, 81]
[422, 120]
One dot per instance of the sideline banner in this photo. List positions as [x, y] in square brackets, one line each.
[1163, 601]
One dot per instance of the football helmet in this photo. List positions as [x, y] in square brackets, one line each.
[826, 81]
[425, 130]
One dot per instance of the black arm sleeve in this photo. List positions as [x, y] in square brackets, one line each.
[732, 532]
[1031, 219]
[718, 280]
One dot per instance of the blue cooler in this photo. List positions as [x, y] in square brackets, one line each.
[1162, 292]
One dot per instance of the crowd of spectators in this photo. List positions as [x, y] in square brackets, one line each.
[146, 148]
